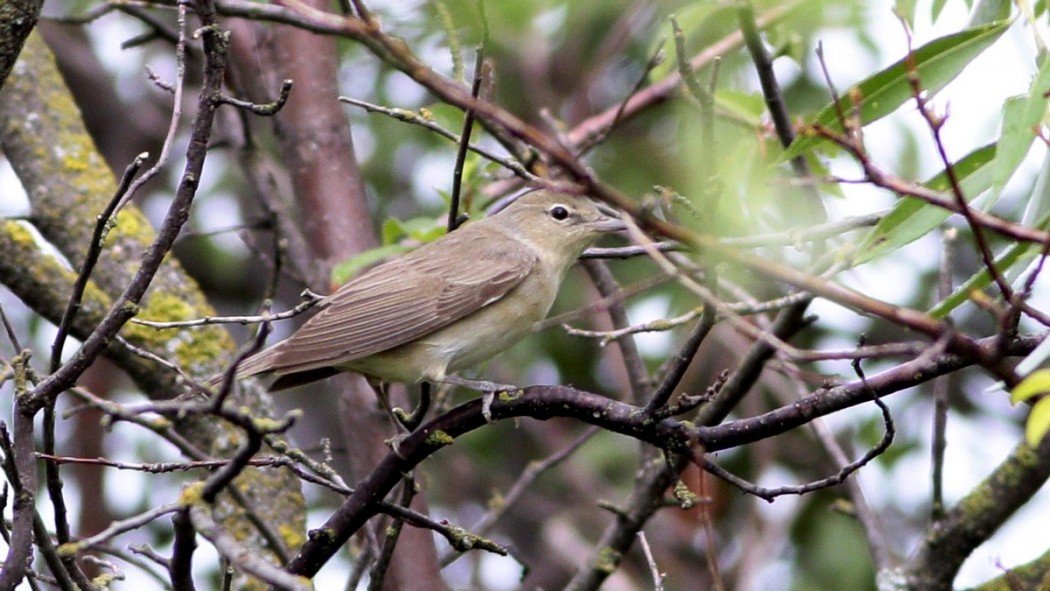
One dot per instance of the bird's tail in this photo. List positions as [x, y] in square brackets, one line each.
[261, 362]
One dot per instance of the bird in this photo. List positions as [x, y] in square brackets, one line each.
[447, 305]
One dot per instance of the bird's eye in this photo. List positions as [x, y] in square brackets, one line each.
[559, 212]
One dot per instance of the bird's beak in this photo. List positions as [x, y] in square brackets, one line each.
[607, 225]
[610, 222]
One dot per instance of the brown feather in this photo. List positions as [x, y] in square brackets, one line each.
[449, 304]
[395, 303]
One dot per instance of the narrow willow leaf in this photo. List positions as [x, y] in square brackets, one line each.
[1034, 384]
[1021, 116]
[938, 63]
[982, 279]
[913, 218]
[935, 9]
[906, 10]
[988, 11]
[1022, 251]
[1038, 422]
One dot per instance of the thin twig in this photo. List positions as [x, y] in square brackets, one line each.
[675, 368]
[936, 125]
[103, 223]
[654, 60]
[422, 121]
[532, 472]
[242, 320]
[940, 390]
[769, 494]
[607, 286]
[654, 570]
[118, 527]
[377, 573]
[127, 304]
[464, 141]
[262, 109]
[176, 111]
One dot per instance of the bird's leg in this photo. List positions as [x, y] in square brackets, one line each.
[479, 385]
[411, 422]
[488, 391]
[397, 415]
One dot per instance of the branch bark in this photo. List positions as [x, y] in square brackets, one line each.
[67, 182]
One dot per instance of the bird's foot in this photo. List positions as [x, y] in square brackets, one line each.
[488, 392]
[394, 443]
[479, 385]
[486, 405]
[411, 421]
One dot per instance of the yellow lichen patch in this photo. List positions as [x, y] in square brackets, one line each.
[18, 233]
[293, 537]
[608, 560]
[508, 395]
[439, 438]
[195, 349]
[191, 494]
[68, 549]
[266, 425]
[130, 223]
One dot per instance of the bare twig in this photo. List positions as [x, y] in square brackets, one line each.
[654, 570]
[313, 300]
[633, 363]
[116, 528]
[176, 111]
[262, 109]
[480, 73]
[768, 494]
[428, 123]
[940, 391]
[102, 225]
[676, 366]
[126, 305]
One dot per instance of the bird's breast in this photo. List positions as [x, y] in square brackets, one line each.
[495, 327]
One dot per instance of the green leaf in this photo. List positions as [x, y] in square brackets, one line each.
[818, 169]
[913, 218]
[935, 9]
[988, 11]
[392, 231]
[1021, 251]
[981, 279]
[1034, 384]
[906, 10]
[419, 229]
[690, 19]
[747, 106]
[1038, 422]
[1021, 116]
[348, 269]
[938, 63]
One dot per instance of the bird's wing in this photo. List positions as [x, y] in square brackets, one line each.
[406, 299]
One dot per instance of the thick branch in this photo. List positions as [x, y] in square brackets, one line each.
[544, 402]
[17, 19]
[974, 519]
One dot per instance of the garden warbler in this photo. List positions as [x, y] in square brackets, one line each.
[448, 304]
